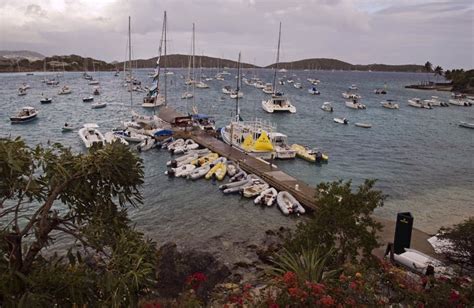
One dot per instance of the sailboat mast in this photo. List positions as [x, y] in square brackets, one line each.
[194, 66]
[237, 109]
[130, 61]
[278, 60]
[166, 81]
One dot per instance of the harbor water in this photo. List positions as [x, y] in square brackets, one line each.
[422, 159]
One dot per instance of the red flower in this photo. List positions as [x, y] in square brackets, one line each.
[247, 286]
[342, 278]
[454, 296]
[317, 288]
[327, 300]
[195, 279]
[273, 305]
[353, 285]
[289, 278]
[294, 292]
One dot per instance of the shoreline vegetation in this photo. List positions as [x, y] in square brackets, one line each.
[78, 63]
[327, 260]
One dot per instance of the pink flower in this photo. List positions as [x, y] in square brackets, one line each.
[454, 296]
[289, 278]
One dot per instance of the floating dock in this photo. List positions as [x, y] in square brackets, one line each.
[276, 178]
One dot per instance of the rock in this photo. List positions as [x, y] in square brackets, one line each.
[174, 267]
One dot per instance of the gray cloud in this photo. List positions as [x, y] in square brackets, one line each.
[359, 31]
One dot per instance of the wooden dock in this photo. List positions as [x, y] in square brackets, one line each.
[276, 178]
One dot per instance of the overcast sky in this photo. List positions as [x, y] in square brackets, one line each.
[356, 31]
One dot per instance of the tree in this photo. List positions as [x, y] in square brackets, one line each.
[49, 192]
[462, 238]
[438, 71]
[428, 67]
[343, 220]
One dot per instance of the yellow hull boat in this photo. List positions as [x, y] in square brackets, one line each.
[219, 170]
[308, 154]
[206, 159]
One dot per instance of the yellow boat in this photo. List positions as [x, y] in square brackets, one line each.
[206, 159]
[308, 154]
[219, 170]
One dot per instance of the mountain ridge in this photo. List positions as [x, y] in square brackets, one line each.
[14, 61]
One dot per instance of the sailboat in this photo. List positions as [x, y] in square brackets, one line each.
[237, 93]
[93, 82]
[201, 84]
[154, 98]
[278, 102]
[187, 94]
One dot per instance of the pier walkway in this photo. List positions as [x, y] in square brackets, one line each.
[276, 178]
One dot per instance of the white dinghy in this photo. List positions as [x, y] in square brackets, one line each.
[258, 185]
[199, 172]
[147, 144]
[181, 171]
[110, 137]
[267, 197]
[288, 204]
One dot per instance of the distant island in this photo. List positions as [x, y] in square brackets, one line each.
[28, 61]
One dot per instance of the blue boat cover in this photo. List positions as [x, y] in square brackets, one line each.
[164, 132]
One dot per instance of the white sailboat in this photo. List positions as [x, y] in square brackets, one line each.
[154, 98]
[278, 102]
[93, 82]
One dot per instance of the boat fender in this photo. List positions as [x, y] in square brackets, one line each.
[174, 163]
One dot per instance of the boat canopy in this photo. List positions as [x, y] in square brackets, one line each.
[164, 132]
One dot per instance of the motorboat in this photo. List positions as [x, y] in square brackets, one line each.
[363, 125]
[186, 95]
[93, 82]
[152, 101]
[280, 144]
[90, 135]
[110, 137]
[308, 154]
[267, 197]
[67, 128]
[21, 92]
[52, 82]
[204, 122]
[290, 81]
[341, 120]
[201, 85]
[268, 88]
[314, 91]
[129, 135]
[234, 94]
[182, 171]
[418, 103]
[354, 104]
[298, 85]
[353, 87]
[349, 95]
[24, 86]
[188, 145]
[288, 204]
[380, 91]
[65, 90]
[26, 114]
[259, 84]
[88, 99]
[435, 101]
[218, 171]
[250, 137]
[255, 188]
[46, 100]
[466, 124]
[147, 144]
[278, 103]
[199, 172]
[98, 105]
[389, 104]
[205, 160]
[281, 82]
[226, 90]
[327, 106]
[460, 102]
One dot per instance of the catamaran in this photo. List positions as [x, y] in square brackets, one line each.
[278, 102]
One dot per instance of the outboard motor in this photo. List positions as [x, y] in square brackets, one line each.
[171, 173]
[319, 157]
[174, 163]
